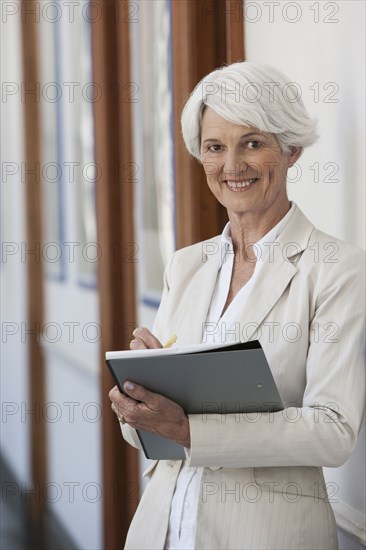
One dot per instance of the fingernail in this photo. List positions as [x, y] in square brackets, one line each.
[135, 342]
[129, 386]
[135, 331]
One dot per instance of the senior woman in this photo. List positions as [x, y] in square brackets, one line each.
[254, 481]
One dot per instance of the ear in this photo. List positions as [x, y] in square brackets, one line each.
[294, 155]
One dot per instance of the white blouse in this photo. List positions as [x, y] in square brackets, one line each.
[183, 514]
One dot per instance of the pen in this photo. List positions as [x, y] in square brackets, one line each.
[171, 341]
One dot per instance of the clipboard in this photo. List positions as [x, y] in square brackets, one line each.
[219, 379]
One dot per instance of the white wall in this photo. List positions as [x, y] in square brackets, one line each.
[14, 434]
[74, 450]
[323, 48]
[73, 366]
[329, 57]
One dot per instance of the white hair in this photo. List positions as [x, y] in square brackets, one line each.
[250, 94]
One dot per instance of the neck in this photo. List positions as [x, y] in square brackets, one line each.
[249, 227]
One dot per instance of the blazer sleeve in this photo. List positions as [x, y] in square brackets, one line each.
[130, 434]
[323, 431]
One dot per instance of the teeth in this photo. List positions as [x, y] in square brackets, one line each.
[239, 184]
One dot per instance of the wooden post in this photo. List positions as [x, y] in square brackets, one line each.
[116, 273]
[206, 34]
[35, 320]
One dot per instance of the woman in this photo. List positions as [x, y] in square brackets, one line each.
[255, 481]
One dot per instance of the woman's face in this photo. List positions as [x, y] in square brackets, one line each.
[245, 168]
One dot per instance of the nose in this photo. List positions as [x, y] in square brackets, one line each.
[234, 164]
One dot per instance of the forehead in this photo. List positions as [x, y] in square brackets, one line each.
[213, 123]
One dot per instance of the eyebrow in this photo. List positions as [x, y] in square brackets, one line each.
[249, 134]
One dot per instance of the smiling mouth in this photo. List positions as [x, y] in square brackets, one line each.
[240, 185]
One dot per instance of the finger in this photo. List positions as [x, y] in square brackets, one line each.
[115, 408]
[113, 393]
[147, 337]
[119, 399]
[137, 344]
[122, 402]
[139, 393]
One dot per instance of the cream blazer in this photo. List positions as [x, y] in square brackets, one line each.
[263, 485]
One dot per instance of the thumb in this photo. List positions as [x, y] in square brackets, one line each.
[139, 393]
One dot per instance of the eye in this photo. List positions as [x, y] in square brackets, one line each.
[254, 144]
[216, 148]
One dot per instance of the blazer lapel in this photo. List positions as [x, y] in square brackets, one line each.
[273, 278]
[266, 291]
[201, 289]
[276, 273]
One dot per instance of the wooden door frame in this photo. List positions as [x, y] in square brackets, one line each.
[113, 152]
[35, 506]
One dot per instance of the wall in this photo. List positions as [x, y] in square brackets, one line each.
[14, 436]
[71, 300]
[321, 47]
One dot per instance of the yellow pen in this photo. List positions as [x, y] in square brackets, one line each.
[171, 341]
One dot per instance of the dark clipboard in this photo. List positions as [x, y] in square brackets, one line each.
[232, 379]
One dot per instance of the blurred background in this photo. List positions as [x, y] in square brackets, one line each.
[97, 191]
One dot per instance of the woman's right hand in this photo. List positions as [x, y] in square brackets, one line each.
[144, 339]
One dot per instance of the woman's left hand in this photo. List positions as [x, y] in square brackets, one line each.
[144, 410]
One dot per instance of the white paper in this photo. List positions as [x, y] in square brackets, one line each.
[173, 350]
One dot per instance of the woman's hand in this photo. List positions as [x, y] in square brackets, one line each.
[149, 411]
[152, 412]
[144, 339]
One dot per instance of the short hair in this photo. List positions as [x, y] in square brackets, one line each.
[250, 94]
